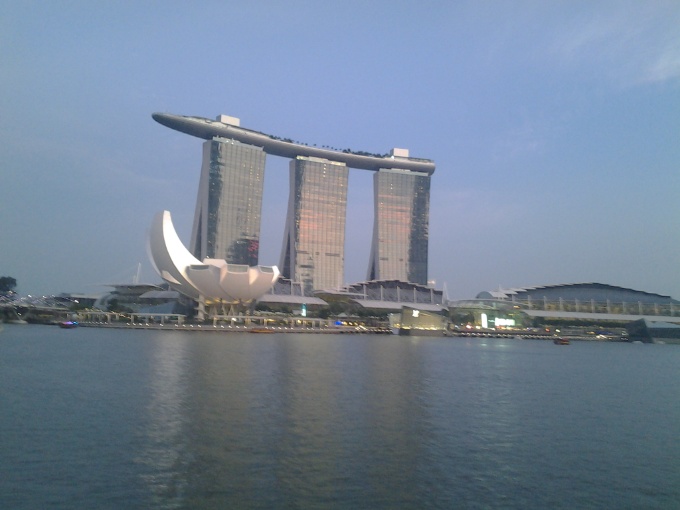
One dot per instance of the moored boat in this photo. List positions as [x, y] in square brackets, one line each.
[561, 341]
[68, 324]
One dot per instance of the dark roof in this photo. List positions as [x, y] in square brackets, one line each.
[507, 293]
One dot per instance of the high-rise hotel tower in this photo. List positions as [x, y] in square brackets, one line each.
[400, 226]
[314, 239]
[228, 208]
[229, 202]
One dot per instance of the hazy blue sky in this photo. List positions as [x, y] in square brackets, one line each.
[555, 128]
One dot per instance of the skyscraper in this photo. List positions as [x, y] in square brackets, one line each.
[227, 220]
[400, 226]
[229, 203]
[314, 239]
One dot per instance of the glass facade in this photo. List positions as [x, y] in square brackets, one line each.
[314, 240]
[401, 226]
[229, 204]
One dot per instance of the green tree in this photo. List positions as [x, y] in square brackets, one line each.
[7, 284]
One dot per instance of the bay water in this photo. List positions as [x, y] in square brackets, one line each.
[109, 419]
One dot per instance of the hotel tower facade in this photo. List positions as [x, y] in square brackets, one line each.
[400, 226]
[314, 238]
[229, 204]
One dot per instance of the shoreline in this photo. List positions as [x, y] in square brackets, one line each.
[332, 330]
[208, 328]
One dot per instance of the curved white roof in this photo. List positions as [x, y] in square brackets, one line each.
[213, 278]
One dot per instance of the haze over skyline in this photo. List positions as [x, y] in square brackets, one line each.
[554, 127]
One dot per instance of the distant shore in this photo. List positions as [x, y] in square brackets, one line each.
[337, 330]
[220, 328]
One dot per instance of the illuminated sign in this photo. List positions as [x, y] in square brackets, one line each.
[504, 322]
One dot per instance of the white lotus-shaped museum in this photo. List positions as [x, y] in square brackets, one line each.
[212, 279]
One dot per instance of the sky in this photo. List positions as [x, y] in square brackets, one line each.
[554, 127]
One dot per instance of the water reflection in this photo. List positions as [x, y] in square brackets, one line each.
[307, 421]
[165, 450]
[311, 419]
[258, 421]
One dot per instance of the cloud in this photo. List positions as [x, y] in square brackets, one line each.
[667, 64]
[632, 43]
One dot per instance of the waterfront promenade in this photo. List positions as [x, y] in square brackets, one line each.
[229, 323]
[321, 326]
[227, 328]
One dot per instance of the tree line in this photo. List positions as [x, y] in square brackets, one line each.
[7, 284]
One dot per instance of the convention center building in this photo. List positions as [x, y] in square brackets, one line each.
[566, 304]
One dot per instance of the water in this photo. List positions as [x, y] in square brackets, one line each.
[98, 419]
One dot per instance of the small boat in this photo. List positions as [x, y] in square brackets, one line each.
[561, 341]
[262, 330]
[68, 324]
